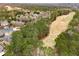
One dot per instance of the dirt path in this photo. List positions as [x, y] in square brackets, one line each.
[57, 27]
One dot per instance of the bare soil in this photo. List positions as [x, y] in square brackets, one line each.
[57, 27]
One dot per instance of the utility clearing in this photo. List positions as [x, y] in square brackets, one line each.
[57, 27]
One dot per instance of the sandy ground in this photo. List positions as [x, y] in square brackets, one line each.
[9, 8]
[57, 27]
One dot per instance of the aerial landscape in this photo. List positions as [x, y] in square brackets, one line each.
[39, 29]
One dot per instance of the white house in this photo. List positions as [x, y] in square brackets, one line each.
[45, 14]
[4, 23]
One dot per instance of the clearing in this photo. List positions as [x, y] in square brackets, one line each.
[57, 27]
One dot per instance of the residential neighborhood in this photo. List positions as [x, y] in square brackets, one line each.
[39, 29]
[6, 27]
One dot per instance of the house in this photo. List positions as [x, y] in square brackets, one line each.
[1, 34]
[24, 18]
[17, 23]
[7, 38]
[34, 16]
[45, 14]
[4, 23]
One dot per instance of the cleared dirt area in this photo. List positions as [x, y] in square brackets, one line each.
[56, 28]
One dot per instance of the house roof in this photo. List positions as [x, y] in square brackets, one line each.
[1, 33]
[4, 22]
[17, 23]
